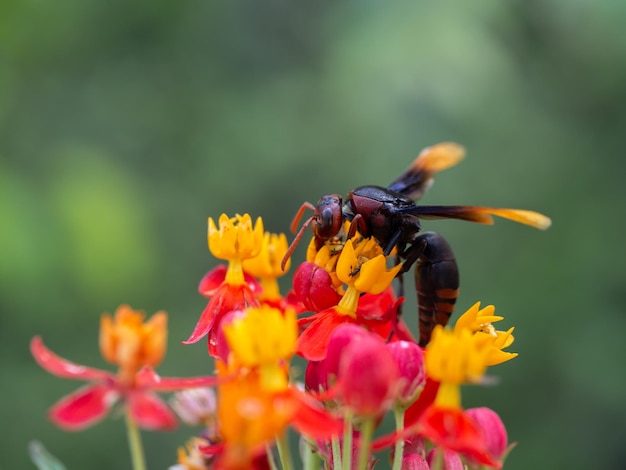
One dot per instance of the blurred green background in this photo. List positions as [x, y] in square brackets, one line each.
[124, 125]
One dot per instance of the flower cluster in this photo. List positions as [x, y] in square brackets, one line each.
[341, 316]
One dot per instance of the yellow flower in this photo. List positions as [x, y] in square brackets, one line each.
[480, 322]
[502, 340]
[192, 458]
[456, 357]
[235, 241]
[476, 319]
[364, 269]
[128, 342]
[236, 237]
[264, 338]
[266, 265]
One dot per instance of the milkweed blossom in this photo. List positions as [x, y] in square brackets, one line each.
[341, 317]
[135, 347]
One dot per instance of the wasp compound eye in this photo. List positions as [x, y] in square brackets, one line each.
[326, 219]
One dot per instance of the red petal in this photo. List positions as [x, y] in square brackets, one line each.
[226, 299]
[150, 412]
[147, 378]
[212, 280]
[426, 398]
[312, 419]
[303, 322]
[451, 429]
[83, 408]
[377, 307]
[212, 449]
[63, 368]
[205, 323]
[313, 341]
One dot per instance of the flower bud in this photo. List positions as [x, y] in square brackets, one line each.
[451, 460]
[414, 462]
[313, 287]
[367, 376]
[316, 376]
[493, 429]
[342, 336]
[415, 445]
[409, 360]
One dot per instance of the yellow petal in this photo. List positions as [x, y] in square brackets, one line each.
[267, 263]
[347, 265]
[374, 277]
[263, 336]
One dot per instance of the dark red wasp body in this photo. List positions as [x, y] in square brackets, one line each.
[391, 216]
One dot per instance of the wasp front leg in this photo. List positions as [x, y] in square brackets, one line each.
[436, 281]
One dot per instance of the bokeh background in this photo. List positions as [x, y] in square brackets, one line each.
[124, 125]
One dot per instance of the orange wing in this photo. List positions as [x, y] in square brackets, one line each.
[418, 177]
[481, 215]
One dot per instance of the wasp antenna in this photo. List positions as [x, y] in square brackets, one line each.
[296, 219]
[297, 239]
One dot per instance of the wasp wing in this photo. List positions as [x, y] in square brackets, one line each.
[481, 215]
[414, 182]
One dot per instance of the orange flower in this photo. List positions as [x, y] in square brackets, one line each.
[135, 347]
[256, 402]
[251, 416]
[128, 342]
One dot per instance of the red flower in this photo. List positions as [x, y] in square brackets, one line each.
[90, 404]
[235, 240]
[452, 429]
[228, 297]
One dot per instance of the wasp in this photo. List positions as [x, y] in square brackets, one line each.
[392, 216]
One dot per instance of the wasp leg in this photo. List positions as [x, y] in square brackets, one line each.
[436, 281]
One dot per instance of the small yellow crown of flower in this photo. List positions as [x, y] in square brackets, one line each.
[362, 265]
[267, 263]
[456, 357]
[125, 340]
[480, 322]
[236, 238]
[264, 338]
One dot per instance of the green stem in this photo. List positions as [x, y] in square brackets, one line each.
[438, 460]
[311, 458]
[347, 441]
[398, 413]
[336, 452]
[270, 457]
[134, 442]
[367, 431]
[282, 443]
